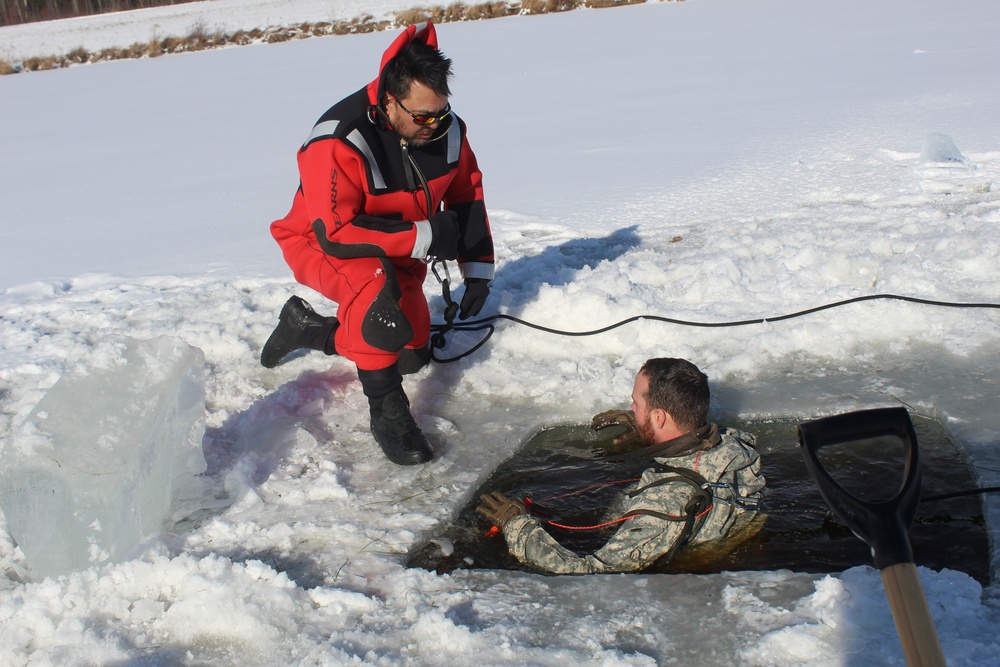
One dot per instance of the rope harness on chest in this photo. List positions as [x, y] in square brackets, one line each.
[696, 509]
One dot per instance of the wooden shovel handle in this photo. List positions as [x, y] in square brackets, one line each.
[912, 616]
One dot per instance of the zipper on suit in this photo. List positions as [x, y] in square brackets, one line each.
[408, 158]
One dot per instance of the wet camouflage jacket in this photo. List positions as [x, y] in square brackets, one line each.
[641, 540]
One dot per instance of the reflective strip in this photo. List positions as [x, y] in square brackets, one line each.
[422, 244]
[322, 130]
[476, 270]
[359, 142]
[454, 142]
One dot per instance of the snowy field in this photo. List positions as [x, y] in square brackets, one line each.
[711, 161]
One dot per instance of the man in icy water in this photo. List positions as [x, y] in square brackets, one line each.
[388, 181]
[703, 483]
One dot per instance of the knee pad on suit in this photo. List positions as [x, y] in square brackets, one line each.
[385, 325]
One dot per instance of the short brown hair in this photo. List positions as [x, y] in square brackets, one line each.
[680, 388]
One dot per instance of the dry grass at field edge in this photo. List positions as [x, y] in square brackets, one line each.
[200, 39]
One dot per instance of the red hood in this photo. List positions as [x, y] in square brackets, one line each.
[422, 31]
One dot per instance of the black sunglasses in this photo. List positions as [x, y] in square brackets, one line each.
[423, 118]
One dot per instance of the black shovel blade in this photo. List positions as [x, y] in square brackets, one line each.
[883, 525]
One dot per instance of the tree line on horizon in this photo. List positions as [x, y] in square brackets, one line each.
[14, 12]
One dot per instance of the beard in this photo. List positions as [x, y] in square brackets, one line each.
[419, 137]
[645, 429]
[415, 135]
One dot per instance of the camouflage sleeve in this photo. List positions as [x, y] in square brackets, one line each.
[636, 545]
[745, 464]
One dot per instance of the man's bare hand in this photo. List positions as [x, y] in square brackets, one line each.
[624, 418]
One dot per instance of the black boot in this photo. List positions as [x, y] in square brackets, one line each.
[412, 360]
[392, 423]
[299, 326]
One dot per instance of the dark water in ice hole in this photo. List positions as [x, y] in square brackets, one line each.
[799, 534]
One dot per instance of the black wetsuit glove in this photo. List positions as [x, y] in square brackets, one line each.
[477, 290]
[444, 235]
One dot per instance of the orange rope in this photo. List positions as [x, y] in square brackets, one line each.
[614, 521]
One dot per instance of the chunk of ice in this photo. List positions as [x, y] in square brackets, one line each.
[944, 170]
[98, 463]
[940, 149]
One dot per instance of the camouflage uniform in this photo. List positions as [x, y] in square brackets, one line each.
[724, 456]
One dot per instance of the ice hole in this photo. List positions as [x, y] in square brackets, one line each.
[800, 532]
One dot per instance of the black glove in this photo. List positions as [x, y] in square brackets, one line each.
[499, 509]
[476, 292]
[624, 418]
[444, 235]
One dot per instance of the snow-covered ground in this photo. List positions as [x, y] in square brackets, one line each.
[711, 160]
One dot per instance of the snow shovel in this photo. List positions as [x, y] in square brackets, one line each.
[883, 525]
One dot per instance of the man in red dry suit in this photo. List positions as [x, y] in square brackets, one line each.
[387, 182]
